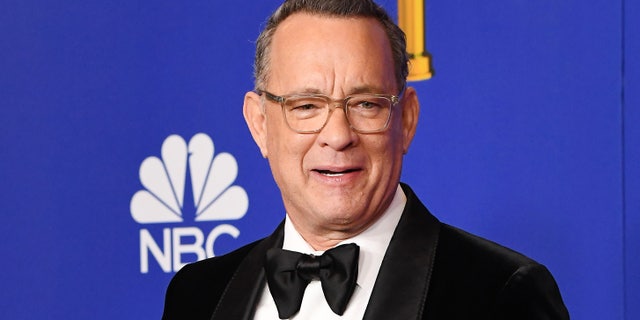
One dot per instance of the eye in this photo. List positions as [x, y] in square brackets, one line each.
[367, 105]
[305, 107]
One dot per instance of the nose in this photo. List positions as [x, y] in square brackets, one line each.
[337, 133]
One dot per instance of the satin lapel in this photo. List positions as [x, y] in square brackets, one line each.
[244, 289]
[401, 288]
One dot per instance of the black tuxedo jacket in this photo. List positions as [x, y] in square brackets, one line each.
[430, 271]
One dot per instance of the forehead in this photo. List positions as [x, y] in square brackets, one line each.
[330, 54]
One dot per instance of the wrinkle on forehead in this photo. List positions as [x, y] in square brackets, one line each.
[334, 56]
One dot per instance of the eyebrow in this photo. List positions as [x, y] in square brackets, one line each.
[307, 90]
[355, 90]
[366, 89]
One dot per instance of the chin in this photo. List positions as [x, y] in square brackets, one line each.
[338, 217]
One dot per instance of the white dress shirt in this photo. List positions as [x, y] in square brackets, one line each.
[373, 244]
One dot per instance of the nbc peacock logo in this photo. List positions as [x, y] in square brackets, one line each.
[162, 201]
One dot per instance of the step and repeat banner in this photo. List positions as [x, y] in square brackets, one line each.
[124, 153]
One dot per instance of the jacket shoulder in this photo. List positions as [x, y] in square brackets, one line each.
[490, 280]
[482, 253]
[195, 290]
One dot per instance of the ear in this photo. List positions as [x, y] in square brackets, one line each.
[256, 119]
[410, 114]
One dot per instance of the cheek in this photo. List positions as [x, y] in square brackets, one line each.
[287, 148]
[397, 138]
[386, 151]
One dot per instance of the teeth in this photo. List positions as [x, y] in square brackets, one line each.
[333, 173]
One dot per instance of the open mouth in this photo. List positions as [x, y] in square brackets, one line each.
[330, 173]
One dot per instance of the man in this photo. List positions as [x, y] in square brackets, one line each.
[332, 114]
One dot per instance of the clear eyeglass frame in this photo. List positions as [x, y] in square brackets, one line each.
[331, 104]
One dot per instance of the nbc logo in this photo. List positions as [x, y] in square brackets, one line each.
[215, 198]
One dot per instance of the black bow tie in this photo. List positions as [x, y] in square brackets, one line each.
[289, 273]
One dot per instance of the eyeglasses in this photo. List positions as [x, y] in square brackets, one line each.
[309, 113]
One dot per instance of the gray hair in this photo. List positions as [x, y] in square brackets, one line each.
[335, 8]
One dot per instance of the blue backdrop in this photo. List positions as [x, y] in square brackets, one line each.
[529, 135]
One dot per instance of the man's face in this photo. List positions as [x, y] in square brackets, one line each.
[337, 180]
